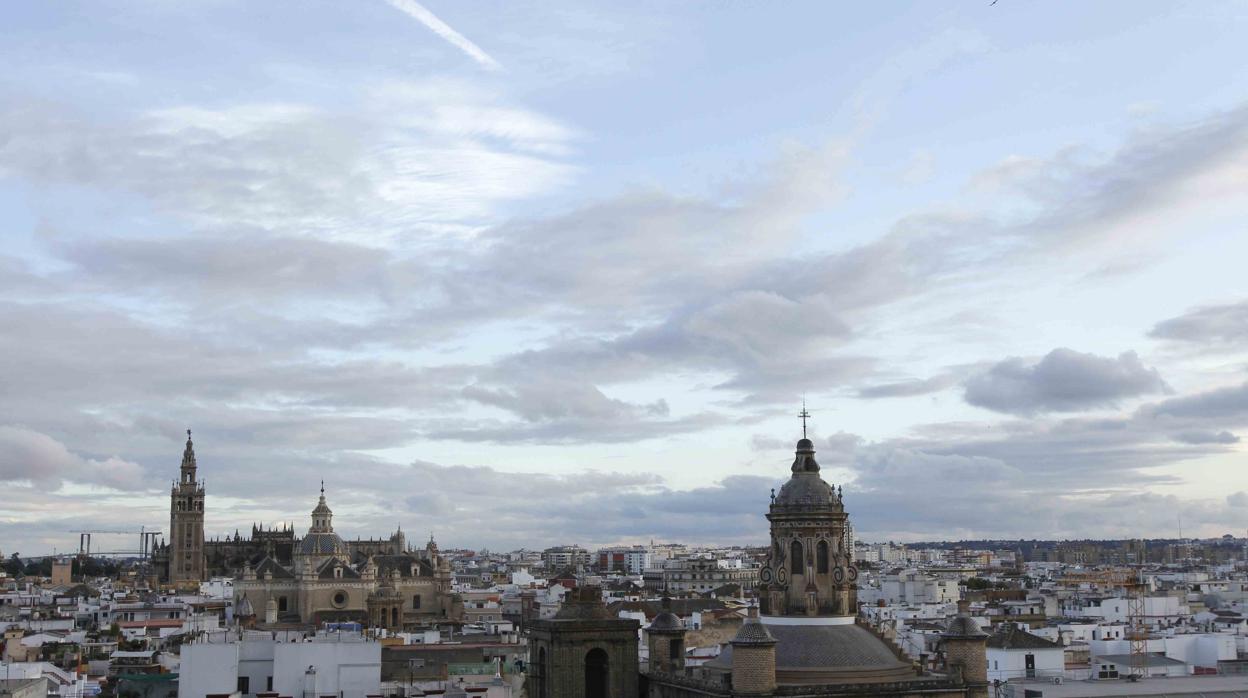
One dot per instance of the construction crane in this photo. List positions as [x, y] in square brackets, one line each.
[1137, 633]
[148, 540]
[1131, 582]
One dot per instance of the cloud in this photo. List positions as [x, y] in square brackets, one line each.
[907, 388]
[1064, 380]
[1213, 325]
[1206, 437]
[1078, 196]
[302, 283]
[454, 156]
[418, 12]
[1222, 403]
[29, 456]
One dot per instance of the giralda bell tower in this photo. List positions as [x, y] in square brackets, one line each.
[186, 522]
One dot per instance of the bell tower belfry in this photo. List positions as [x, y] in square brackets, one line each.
[186, 522]
[809, 569]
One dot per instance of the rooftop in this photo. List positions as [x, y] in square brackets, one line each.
[1210, 685]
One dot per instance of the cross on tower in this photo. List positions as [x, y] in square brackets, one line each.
[804, 415]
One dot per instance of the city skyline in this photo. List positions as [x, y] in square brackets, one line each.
[504, 272]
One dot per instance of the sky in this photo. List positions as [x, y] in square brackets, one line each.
[530, 273]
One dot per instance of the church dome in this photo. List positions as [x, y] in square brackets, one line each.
[821, 654]
[321, 539]
[806, 488]
[666, 621]
[322, 544]
[963, 627]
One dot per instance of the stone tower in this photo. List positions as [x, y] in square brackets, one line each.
[810, 568]
[753, 660]
[186, 523]
[966, 651]
[666, 637]
[583, 652]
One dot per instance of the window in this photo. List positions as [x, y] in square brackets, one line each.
[416, 601]
[244, 684]
[268, 684]
[821, 557]
[281, 603]
[797, 566]
[597, 673]
[340, 598]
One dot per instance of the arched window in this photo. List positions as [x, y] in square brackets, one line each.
[542, 671]
[821, 557]
[597, 673]
[797, 565]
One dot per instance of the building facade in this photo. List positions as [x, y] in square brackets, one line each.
[327, 582]
[703, 575]
[583, 652]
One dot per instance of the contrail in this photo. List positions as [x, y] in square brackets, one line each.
[442, 29]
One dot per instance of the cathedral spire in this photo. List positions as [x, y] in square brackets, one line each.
[322, 515]
[188, 459]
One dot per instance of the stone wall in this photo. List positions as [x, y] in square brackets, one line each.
[753, 669]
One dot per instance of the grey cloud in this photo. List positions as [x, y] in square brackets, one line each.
[1063, 381]
[1222, 403]
[908, 388]
[27, 455]
[234, 269]
[569, 430]
[558, 399]
[1083, 197]
[1214, 325]
[1206, 437]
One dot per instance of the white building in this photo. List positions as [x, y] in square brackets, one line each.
[1159, 611]
[914, 587]
[340, 664]
[1014, 653]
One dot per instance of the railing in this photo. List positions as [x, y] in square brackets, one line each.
[889, 688]
[712, 688]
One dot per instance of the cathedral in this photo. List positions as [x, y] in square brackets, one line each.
[309, 580]
[392, 590]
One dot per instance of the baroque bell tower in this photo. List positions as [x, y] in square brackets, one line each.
[186, 522]
[810, 567]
